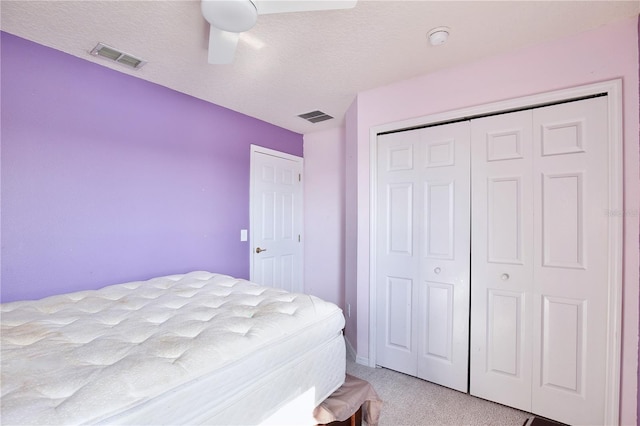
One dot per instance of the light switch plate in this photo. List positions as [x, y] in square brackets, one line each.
[243, 235]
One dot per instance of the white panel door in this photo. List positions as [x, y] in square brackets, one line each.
[540, 260]
[423, 253]
[571, 260]
[502, 259]
[444, 249]
[397, 274]
[276, 222]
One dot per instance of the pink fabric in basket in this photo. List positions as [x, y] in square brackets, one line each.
[345, 401]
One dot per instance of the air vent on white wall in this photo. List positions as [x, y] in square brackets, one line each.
[115, 55]
[315, 116]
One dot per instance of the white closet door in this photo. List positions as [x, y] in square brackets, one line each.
[423, 253]
[397, 274]
[502, 260]
[571, 260]
[443, 321]
[540, 256]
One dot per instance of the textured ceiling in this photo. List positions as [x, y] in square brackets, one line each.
[309, 60]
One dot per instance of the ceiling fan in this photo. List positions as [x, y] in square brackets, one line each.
[229, 18]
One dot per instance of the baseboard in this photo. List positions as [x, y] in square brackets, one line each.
[362, 361]
[351, 353]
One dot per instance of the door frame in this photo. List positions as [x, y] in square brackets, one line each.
[613, 90]
[256, 149]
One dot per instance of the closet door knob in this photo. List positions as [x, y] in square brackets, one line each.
[505, 277]
[437, 270]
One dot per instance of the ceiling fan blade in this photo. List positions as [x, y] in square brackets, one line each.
[222, 46]
[265, 7]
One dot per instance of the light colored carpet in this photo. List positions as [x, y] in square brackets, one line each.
[411, 401]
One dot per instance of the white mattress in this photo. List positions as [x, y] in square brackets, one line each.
[198, 347]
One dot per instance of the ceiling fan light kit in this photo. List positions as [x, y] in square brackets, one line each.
[229, 18]
[230, 15]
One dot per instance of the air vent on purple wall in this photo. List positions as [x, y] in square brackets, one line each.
[115, 55]
[315, 116]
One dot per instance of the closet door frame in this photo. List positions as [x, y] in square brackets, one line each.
[613, 90]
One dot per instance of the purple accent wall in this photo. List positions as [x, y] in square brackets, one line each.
[107, 178]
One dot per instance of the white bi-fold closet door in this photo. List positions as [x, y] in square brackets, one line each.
[522, 197]
[423, 253]
[540, 259]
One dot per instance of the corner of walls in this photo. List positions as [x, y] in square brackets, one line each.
[324, 214]
[350, 192]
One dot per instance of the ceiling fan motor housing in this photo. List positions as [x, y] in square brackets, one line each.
[235, 16]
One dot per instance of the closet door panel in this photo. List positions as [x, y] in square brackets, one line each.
[443, 159]
[399, 215]
[563, 344]
[501, 270]
[423, 250]
[504, 225]
[563, 210]
[504, 351]
[398, 292]
[571, 258]
[397, 280]
[439, 220]
[437, 319]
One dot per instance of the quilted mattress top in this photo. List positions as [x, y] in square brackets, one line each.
[85, 356]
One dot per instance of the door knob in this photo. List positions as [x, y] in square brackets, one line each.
[504, 277]
[260, 250]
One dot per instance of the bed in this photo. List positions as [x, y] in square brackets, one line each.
[192, 348]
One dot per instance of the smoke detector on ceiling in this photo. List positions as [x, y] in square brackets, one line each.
[438, 36]
[116, 55]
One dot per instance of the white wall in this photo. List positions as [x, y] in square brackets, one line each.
[606, 53]
[324, 215]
